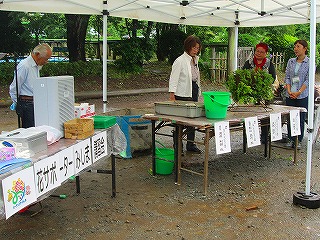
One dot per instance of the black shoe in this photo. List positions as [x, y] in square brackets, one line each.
[193, 148]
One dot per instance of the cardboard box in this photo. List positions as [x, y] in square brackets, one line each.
[79, 128]
[84, 110]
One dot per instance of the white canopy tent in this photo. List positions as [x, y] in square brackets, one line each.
[192, 12]
[228, 13]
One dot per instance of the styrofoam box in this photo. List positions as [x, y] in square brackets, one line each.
[27, 141]
[180, 108]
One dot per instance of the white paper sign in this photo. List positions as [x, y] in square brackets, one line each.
[46, 174]
[99, 146]
[18, 191]
[82, 155]
[295, 123]
[222, 137]
[66, 164]
[275, 127]
[252, 131]
[316, 125]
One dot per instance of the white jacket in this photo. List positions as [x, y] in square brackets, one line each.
[180, 81]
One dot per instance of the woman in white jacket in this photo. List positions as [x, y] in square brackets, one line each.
[184, 82]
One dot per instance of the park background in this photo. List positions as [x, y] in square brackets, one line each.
[140, 53]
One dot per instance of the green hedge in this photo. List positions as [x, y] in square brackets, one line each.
[76, 69]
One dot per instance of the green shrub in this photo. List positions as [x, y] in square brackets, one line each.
[6, 73]
[76, 69]
[205, 70]
[132, 53]
[250, 86]
[171, 44]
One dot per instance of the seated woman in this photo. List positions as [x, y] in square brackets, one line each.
[260, 61]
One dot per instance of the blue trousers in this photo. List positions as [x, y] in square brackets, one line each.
[195, 94]
[26, 113]
[298, 103]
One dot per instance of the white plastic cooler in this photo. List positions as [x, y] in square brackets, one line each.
[27, 141]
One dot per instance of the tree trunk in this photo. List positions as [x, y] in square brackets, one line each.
[76, 36]
[134, 29]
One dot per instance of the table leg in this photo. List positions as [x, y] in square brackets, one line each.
[269, 144]
[179, 150]
[244, 141]
[113, 169]
[176, 152]
[266, 140]
[153, 126]
[78, 184]
[206, 160]
[295, 150]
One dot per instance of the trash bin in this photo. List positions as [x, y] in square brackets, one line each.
[138, 133]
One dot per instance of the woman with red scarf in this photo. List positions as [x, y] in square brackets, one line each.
[260, 60]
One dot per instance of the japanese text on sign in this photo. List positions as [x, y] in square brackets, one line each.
[66, 167]
[99, 146]
[82, 155]
[295, 122]
[222, 137]
[275, 127]
[47, 175]
[252, 131]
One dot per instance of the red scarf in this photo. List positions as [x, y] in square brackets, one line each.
[259, 65]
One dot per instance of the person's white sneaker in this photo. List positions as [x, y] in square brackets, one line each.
[289, 144]
[299, 146]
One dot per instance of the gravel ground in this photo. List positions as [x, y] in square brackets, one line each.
[249, 196]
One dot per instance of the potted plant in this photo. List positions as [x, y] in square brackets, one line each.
[250, 86]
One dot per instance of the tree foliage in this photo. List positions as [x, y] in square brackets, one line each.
[132, 53]
[171, 44]
[14, 36]
[22, 31]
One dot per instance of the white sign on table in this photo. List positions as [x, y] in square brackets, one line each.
[82, 155]
[18, 191]
[99, 146]
[66, 163]
[46, 174]
[222, 137]
[275, 126]
[252, 131]
[295, 123]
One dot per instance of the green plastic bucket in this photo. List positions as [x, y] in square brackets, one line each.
[164, 160]
[216, 104]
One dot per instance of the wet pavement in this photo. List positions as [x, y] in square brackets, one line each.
[249, 197]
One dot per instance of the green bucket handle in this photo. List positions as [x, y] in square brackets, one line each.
[157, 149]
[162, 145]
[212, 99]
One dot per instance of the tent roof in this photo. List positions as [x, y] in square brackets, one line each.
[248, 13]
